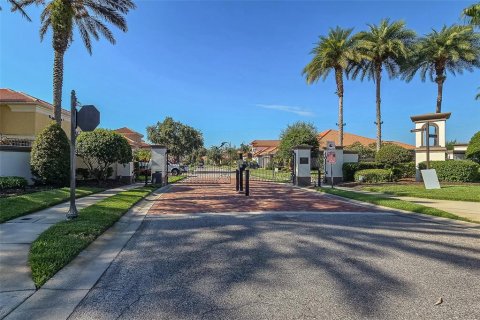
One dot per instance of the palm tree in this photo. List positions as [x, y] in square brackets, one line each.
[472, 14]
[453, 49]
[89, 16]
[384, 46]
[16, 6]
[333, 52]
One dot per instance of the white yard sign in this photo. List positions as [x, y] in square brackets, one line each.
[430, 179]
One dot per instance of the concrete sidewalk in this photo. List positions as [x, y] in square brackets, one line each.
[465, 209]
[17, 235]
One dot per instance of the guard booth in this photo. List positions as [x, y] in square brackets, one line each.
[159, 165]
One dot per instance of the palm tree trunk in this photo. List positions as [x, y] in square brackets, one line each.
[439, 80]
[378, 78]
[339, 80]
[57, 85]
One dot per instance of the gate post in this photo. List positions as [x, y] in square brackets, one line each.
[302, 163]
[159, 162]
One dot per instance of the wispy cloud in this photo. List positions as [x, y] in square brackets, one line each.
[292, 109]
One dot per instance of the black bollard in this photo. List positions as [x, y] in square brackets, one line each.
[247, 182]
[241, 180]
[237, 181]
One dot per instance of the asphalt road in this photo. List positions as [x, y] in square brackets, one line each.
[291, 266]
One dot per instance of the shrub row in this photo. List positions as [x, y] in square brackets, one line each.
[12, 182]
[455, 170]
[374, 175]
[349, 168]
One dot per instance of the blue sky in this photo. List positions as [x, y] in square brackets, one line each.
[233, 69]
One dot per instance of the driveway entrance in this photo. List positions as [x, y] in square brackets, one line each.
[190, 197]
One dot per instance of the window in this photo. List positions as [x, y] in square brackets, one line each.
[433, 131]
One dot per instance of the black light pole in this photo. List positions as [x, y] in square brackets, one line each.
[72, 212]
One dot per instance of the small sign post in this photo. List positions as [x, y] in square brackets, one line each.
[86, 119]
[331, 158]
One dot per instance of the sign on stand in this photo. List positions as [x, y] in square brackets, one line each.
[430, 179]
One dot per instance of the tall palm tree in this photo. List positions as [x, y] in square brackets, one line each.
[383, 46]
[16, 6]
[333, 52]
[453, 49]
[472, 14]
[89, 17]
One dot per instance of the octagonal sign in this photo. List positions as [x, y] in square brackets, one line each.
[88, 118]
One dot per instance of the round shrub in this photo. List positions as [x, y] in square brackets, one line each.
[405, 170]
[391, 155]
[12, 182]
[373, 175]
[349, 168]
[50, 156]
[473, 149]
[455, 170]
[100, 149]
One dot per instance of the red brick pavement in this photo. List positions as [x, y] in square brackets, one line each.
[264, 196]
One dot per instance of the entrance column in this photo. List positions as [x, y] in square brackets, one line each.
[302, 162]
[159, 162]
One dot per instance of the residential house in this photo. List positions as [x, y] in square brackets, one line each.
[135, 139]
[263, 151]
[349, 139]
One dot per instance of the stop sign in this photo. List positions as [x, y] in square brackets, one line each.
[88, 118]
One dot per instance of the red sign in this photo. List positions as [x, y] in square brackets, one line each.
[331, 158]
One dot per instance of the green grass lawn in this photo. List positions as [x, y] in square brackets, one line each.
[448, 192]
[393, 203]
[267, 174]
[62, 242]
[17, 206]
[173, 179]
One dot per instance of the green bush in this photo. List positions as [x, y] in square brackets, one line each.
[373, 175]
[50, 157]
[404, 170]
[473, 149]
[391, 155]
[100, 149]
[12, 182]
[349, 168]
[455, 170]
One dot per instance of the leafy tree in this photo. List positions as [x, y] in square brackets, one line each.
[244, 148]
[50, 156]
[296, 134]
[453, 49]
[364, 152]
[180, 139]
[450, 144]
[89, 16]
[391, 155]
[333, 52]
[102, 148]
[214, 155]
[473, 149]
[142, 155]
[384, 46]
[472, 14]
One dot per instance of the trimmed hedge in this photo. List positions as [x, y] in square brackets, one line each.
[349, 168]
[13, 182]
[404, 170]
[391, 155]
[374, 175]
[455, 170]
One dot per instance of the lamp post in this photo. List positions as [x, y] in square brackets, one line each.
[72, 212]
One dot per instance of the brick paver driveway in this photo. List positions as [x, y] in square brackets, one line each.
[339, 262]
[188, 197]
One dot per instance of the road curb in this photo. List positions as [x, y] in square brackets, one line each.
[60, 295]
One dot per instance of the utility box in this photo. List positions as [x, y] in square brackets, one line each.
[302, 164]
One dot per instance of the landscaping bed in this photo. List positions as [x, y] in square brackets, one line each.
[392, 203]
[62, 242]
[17, 206]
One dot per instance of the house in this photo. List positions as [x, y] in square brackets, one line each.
[135, 139]
[22, 117]
[263, 151]
[458, 151]
[349, 139]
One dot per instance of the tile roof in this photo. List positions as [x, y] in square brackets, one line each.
[12, 96]
[349, 138]
[265, 143]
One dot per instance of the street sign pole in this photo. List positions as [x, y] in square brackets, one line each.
[72, 212]
[331, 174]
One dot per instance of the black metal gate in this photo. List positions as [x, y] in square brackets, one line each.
[209, 173]
[282, 172]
